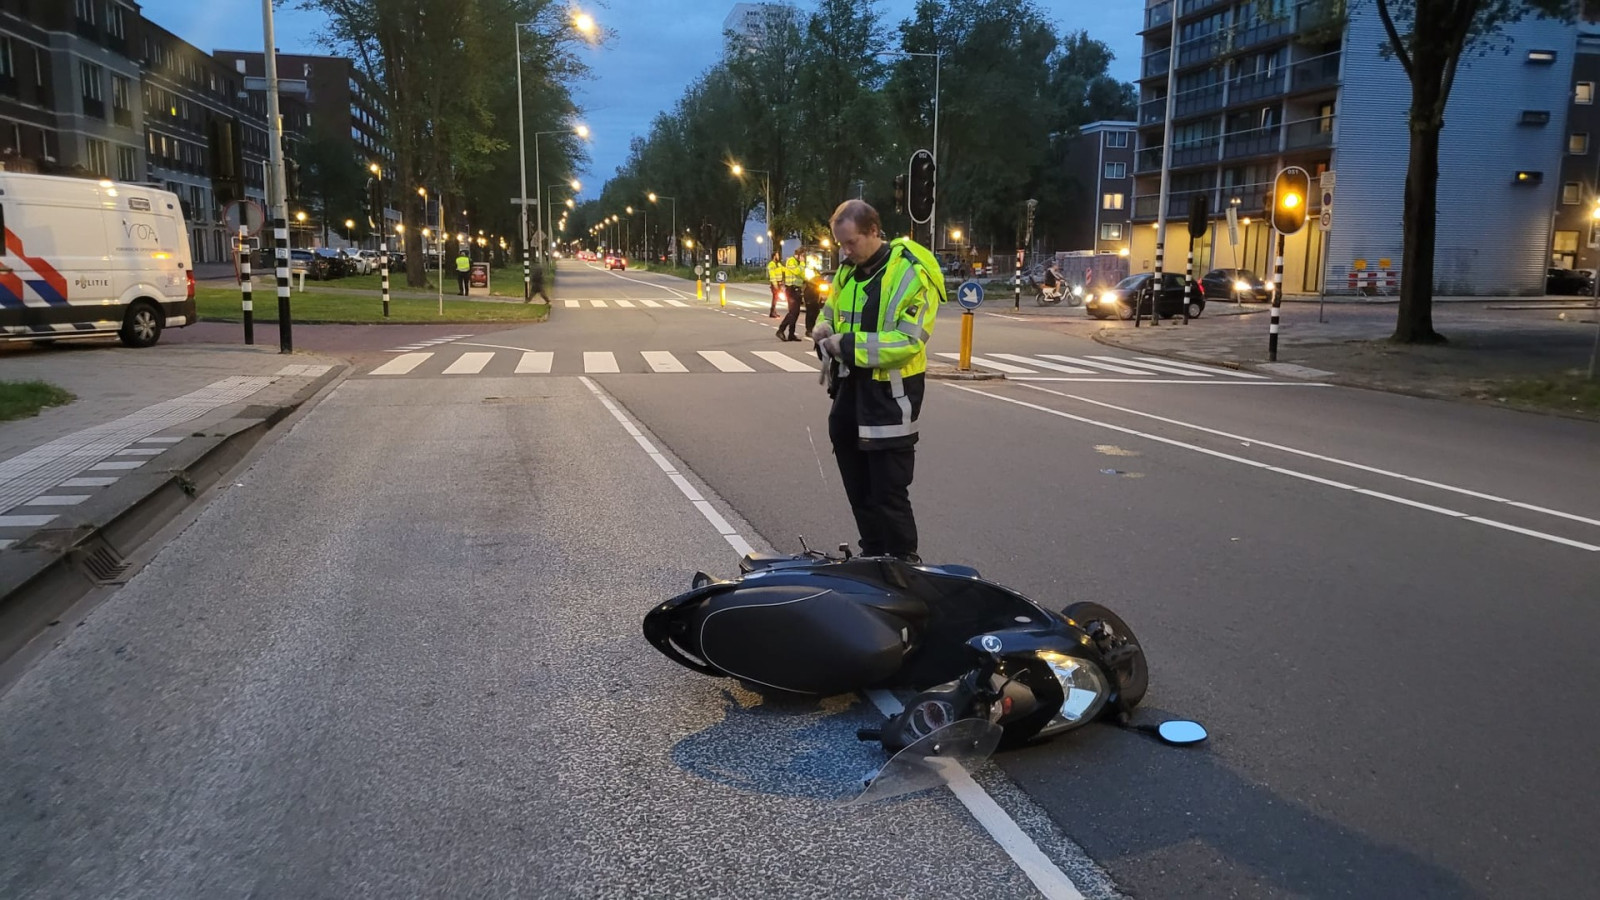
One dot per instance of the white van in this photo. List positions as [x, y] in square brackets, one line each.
[84, 257]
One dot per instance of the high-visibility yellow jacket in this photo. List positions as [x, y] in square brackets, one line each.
[885, 340]
[774, 272]
[463, 263]
[791, 272]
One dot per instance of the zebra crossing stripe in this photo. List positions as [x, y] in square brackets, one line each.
[675, 302]
[1055, 367]
[400, 365]
[724, 361]
[1156, 367]
[596, 362]
[598, 304]
[628, 304]
[650, 303]
[1109, 367]
[1209, 370]
[573, 304]
[662, 361]
[535, 362]
[469, 363]
[785, 361]
[992, 364]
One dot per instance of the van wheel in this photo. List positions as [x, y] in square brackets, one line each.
[142, 326]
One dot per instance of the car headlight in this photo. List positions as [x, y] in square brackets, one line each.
[1241, 286]
[1083, 690]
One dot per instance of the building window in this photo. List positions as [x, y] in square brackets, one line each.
[1111, 231]
[121, 103]
[1535, 117]
[86, 10]
[1116, 139]
[1565, 242]
[1571, 193]
[127, 164]
[1578, 143]
[8, 65]
[1583, 93]
[1116, 170]
[93, 98]
[114, 21]
[1111, 201]
[98, 157]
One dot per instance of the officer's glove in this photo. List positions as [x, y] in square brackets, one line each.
[820, 331]
[830, 344]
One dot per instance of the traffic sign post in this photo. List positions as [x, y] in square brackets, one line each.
[247, 301]
[1325, 224]
[969, 295]
[244, 215]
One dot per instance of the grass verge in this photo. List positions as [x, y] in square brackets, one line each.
[22, 399]
[1573, 394]
[312, 307]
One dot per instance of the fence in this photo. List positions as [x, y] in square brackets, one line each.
[1364, 282]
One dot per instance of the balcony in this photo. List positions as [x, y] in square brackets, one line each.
[1315, 74]
[1204, 48]
[1249, 88]
[1309, 133]
[1156, 63]
[1254, 142]
[94, 109]
[1260, 33]
[1158, 15]
[1147, 159]
[1190, 7]
[1199, 100]
[1153, 111]
[1196, 152]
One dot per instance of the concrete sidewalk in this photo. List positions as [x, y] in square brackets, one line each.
[1490, 341]
[83, 485]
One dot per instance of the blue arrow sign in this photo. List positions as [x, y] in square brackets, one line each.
[969, 294]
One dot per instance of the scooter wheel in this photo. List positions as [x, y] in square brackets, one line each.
[1132, 675]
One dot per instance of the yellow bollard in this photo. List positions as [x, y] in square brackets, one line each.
[722, 289]
[699, 290]
[966, 341]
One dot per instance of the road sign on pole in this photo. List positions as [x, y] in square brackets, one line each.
[1233, 225]
[969, 294]
[247, 214]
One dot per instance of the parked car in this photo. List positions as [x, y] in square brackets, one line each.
[1136, 289]
[1567, 281]
[1219, 285]
[316, 266]
[616, 262]
[339, 265]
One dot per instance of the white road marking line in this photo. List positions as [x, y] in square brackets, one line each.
[4, 543]
[58, 500]
[724, 361]
[1002, 316]
[1479, 495]
[291, 370]
[625, 303]
[598, 362]
[1054, 367]
[140, 451]
[1109, 367]
[25, 521]
[1154, 380]
[598, 304]
[535, 362]
[1040, 869]
[1155, 367]
[785, 362]
[650, 303]
[659, 287]
[87, 482]
[572, 304]
[400, 365]
[115, 466]
[662, 361]
[1209, 370]
[469, 364]
[1450, 513]
[315, 371]
[158, 440]
[675, 302]
[993, 364]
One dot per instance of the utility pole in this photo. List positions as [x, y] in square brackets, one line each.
[278, 190]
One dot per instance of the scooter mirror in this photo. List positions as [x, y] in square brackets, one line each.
[1181, 732]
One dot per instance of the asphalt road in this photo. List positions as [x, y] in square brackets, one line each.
[401, 655]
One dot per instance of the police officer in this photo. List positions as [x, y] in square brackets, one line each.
[873, 332]
[775, 279]
[463, 271]
[792, 286]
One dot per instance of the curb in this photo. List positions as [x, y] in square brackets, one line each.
[57, 569]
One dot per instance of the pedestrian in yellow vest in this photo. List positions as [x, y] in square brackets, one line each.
[463, 271]
[794, 286]
[775, 279]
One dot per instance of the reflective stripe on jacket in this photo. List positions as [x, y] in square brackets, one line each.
[893, 346]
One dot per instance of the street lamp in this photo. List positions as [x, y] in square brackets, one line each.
[766, 178]
[581, 131]
[584, 24]
[674, 201]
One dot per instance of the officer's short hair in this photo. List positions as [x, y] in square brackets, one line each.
[859, 213]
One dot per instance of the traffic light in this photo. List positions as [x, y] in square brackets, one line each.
[900, 193]
[225, 141]
[374, 202]
[922, 180]
[1199, 215]
[1291, 191]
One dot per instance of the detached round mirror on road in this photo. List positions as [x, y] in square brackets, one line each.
[1181, 732]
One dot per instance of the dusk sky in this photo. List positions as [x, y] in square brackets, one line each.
[658, 48]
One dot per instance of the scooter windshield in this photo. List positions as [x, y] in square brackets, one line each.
[934, 761]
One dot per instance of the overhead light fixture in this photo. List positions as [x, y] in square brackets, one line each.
[1542, 56]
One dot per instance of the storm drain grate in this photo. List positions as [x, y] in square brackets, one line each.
[102, 564]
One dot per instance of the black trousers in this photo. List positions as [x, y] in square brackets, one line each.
[461, 282]
[812, 309]
[793, 315]
[878, 484]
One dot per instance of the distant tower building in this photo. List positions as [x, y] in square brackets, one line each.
[751, 21]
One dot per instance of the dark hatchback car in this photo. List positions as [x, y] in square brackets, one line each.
[1567, 281]
[1219, 284]
[1120, 300]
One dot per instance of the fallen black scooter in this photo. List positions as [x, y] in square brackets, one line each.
[822, 625]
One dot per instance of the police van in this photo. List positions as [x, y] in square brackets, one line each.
[84, 257]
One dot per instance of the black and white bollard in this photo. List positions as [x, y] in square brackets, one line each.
[527, 276]
[280, 242]
[383, 267]
[246, 300]
[1277, 300]
[1188, 281]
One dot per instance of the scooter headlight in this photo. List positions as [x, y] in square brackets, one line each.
[1083, 691]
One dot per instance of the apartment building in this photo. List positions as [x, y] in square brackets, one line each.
[1264, 84]
[1099, 162]
[1575, 240]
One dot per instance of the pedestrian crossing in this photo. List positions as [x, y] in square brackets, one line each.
[662, 303]
[1057, 367]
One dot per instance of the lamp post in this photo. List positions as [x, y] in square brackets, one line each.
[583, 23]
[766, 179]
[579, 130]
[938, 62]
[676, 257]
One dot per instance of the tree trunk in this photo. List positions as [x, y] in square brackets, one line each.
[1414, 322]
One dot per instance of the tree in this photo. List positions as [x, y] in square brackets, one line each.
[1427, 37]
[332, 179]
